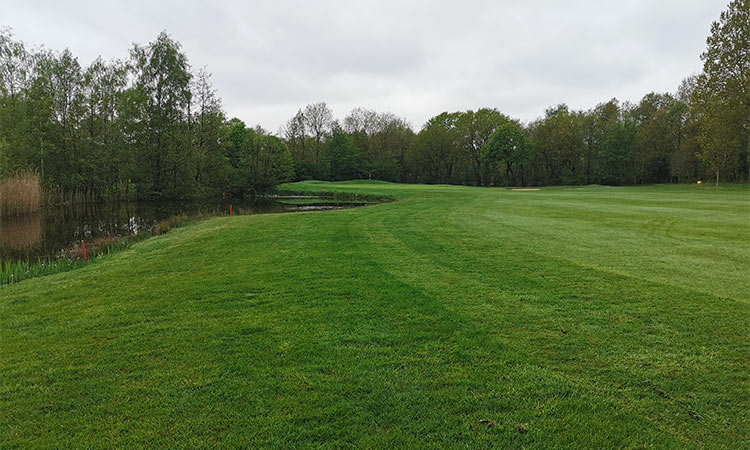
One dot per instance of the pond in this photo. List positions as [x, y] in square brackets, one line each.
[54, 230]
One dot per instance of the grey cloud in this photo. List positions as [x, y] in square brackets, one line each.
[414, 58]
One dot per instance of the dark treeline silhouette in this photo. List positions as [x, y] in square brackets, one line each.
[701, 131]
[146, 127]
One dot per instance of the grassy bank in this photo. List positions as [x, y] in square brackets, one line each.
[72, 258]
[13, 271]
[588, 318]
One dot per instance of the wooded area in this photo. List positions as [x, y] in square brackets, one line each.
[143, 128]
[150, 127]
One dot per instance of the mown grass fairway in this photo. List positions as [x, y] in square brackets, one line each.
[596, 318]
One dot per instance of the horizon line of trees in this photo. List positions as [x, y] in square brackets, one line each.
[149, 127]
[701, 131]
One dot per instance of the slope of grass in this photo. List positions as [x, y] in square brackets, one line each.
[594, 318]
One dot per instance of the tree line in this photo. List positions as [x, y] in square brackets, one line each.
[150, 127]
[702, 130]
[146, 127]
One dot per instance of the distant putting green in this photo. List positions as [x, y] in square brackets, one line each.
[600, 317]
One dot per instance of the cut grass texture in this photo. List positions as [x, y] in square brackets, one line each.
[458, 317]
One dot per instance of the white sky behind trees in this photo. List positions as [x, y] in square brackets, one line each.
[413, 58]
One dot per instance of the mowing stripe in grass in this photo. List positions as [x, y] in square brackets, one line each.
[399, 325]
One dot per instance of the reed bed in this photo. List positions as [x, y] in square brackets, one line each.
[14, 271]
[56, 195]
[20, 194]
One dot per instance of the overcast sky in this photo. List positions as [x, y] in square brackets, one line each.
[413, 58]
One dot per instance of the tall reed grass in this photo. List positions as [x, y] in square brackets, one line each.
[20, 194]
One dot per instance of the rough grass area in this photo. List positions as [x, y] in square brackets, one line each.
[458, 317]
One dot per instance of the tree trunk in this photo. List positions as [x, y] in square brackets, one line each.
[478, 169]
[717, 177]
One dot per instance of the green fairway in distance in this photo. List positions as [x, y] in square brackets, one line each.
[595, 317]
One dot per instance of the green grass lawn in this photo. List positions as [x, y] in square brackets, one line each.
[600, 317]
